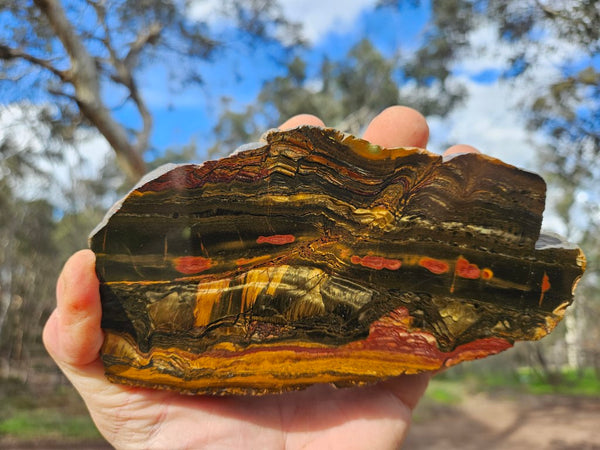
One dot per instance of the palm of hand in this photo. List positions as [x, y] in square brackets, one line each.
[319, 417]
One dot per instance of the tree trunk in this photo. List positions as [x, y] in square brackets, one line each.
[83, 75]
[572, 338]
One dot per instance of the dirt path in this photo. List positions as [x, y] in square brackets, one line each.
[479, 422]
[499, 422]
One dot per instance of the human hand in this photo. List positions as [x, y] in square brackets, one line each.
[375, 416]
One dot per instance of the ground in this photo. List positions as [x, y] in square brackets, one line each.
[508, 421]
[475, 421]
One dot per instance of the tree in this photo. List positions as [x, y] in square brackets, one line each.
[567, 109]
[87, 57]
[564, 104]
[34, 242]
[27, 270]
[345, 93]
[27, 273]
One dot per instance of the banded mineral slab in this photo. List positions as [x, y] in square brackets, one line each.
[317, 257]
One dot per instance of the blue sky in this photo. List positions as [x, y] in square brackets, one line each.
[489, 117]
[331, 29]
[183, 116]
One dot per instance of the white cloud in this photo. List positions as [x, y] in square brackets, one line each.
[316, 17]
[489, 120]
[486, 51]
[492, 116]
[321, 17]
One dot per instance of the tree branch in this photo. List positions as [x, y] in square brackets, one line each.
[58, 93]
[86, 82]
[124, 71]
[143, 136]
[149, 36]
[8, 53]
[85, 77]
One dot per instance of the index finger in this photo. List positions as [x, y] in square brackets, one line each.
[398, 126]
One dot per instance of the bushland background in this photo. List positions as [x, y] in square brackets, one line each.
[94, 93]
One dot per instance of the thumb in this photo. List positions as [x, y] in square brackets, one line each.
[73, 335]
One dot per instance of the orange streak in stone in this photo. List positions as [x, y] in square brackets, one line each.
[192, 264]
[255, 260]
[276, 239]
[545, 282]
[434, 265]
[376, 262]
[487, 274]
[545, 286]
[392, 347]
[207, 296]
[464, 269]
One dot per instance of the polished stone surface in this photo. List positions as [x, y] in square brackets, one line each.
[317, 257]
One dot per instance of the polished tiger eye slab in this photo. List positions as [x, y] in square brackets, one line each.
[317, 257]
